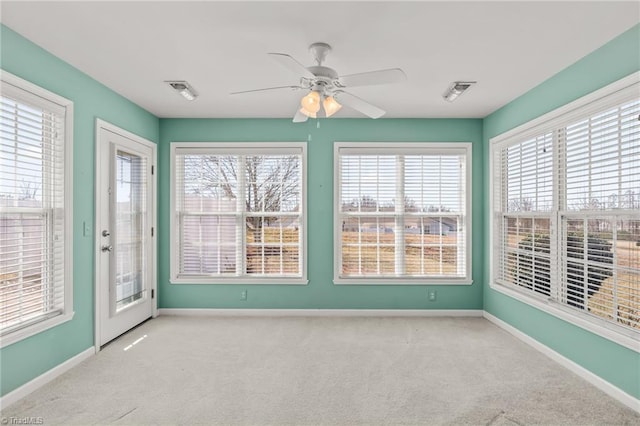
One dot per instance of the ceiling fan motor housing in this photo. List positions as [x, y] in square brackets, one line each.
[324, 81]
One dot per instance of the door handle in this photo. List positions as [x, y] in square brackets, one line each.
[105, 233]
[107, 248]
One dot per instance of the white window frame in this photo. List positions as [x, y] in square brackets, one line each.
[609, 95]
[36, 92]
[395, 148]
[241, 279]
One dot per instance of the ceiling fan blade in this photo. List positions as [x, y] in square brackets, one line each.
[358, 104]
[393, 75]
[268, 88]
[299, 117]
[291, 64]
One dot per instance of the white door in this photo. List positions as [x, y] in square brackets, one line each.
[125, 244]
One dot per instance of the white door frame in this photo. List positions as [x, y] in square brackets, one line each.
[101, 124]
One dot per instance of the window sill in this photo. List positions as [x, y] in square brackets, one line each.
[401, 281]
[239, 281]
[34, 329]
[625, 338]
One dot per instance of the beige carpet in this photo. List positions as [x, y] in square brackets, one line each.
[320, 371]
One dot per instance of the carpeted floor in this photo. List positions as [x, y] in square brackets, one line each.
[320, 371]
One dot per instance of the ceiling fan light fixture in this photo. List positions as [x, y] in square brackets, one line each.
[456, 89]
[331, 106]
[311, 102]
[184, 89]
[308, 113]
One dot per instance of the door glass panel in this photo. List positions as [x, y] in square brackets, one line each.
[130, 223]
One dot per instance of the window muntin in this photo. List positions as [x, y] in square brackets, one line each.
[239, 213]
[35, 209]
[424, 236]
[582, 247]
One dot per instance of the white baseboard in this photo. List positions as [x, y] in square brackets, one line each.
[44, 378]
[595, 380]
[324, 312]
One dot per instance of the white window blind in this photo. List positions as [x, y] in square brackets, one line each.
[33, 241]
[402, 213]
[600, 213]
[527, 202]
[239, 212]
[567, 211]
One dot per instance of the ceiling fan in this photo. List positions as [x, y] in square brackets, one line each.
[326, 87]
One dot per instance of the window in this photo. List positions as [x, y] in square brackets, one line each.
[35, 209]
[238, 213]
[566, 210]
[402, 213]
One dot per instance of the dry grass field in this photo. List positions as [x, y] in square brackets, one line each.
[369, 252]
[627, 284]
[273, 251]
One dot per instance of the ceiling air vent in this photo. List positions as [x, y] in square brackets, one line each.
[456, 89]
[184, 89]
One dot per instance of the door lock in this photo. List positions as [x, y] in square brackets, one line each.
[105, 233]
[107, 248]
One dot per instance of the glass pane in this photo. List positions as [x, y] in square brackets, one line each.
[528, 253]
[273, 245]
[22, 294]
[433, 245]
[528, 175]
[23, 139]
[272, 183]
[604, 279]
[131, 218]
[588, 258]
[368, 245]
[627, 291]
[208, 244]
[210, 183]
[603, 160]
[628, 244]
[368, 183]
[434, 183]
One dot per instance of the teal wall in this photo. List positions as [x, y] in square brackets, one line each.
[31, 357]
[320, 293]
[614, 363]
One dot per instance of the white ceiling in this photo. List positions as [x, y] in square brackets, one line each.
[219, 47]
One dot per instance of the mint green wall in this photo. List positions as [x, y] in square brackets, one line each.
[320, 293]
[31, 357]
[614, 363]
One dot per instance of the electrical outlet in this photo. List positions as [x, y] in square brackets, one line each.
[243, 295]
[86, 229]
[432, 294]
